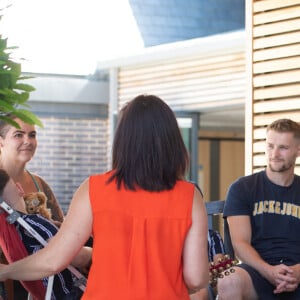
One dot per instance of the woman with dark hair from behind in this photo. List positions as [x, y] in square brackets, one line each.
[149, 224]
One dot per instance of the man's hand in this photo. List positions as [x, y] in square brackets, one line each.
[286, 278]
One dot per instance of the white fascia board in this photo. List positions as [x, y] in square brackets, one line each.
[68, 89]
[227, 42]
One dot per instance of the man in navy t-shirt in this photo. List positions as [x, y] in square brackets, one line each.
[263, 212]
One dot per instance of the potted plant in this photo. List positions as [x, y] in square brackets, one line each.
[14, 93]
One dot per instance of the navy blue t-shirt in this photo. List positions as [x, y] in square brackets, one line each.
[274, 213]
[63, 281]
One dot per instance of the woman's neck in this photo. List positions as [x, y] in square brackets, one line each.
[16, 171]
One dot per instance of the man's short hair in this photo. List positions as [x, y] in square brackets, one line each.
[285, 125]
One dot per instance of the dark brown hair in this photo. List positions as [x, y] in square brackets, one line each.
[148, 149]
[4, 178]
[4, 126]
[285, 125]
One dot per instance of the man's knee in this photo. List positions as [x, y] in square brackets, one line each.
[237, 285]
[229, 286]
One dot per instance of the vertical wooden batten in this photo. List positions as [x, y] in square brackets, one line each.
[273, 35]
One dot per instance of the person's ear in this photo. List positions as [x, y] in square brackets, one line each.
[298, 151]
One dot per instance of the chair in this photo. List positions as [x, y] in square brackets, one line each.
[215, 208]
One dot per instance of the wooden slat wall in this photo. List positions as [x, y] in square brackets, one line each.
[275, 68]
[197, 82]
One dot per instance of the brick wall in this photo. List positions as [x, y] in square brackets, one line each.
[69, 150]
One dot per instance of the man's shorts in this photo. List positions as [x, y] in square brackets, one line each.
[264, 288]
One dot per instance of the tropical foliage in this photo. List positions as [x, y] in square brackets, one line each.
[14, 92]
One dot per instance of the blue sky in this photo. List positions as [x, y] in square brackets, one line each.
[69, 36]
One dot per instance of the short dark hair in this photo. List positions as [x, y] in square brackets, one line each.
[4, 178]
[285, 125]
[148, 149]
[4, 126]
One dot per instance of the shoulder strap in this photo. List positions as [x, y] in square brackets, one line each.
[34, 181]
[14, 249]
[52, 203]
[15, 216]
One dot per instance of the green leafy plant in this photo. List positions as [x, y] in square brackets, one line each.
[14, 93]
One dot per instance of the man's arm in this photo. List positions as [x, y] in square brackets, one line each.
[240, 231]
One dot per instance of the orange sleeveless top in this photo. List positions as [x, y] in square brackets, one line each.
[138, 242]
